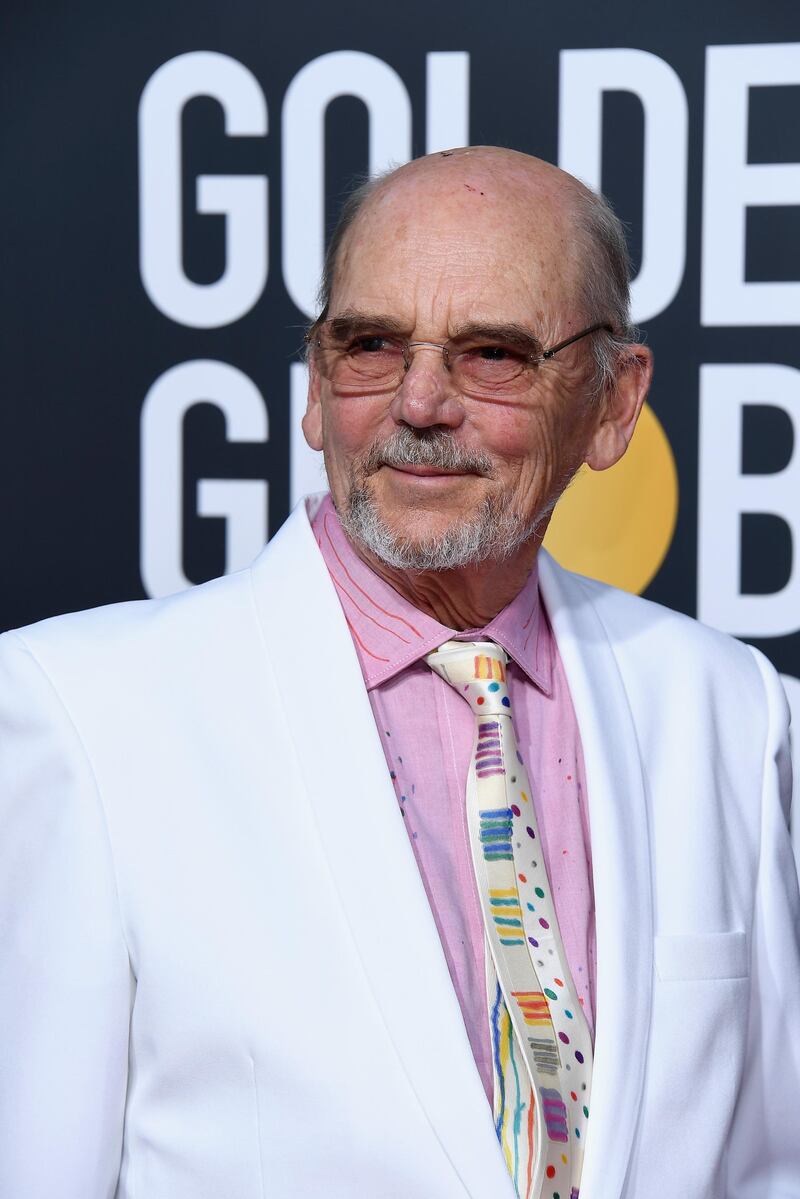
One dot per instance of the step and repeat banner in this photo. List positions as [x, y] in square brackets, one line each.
[170, 174]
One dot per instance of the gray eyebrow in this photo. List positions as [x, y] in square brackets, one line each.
[510, 333]
[352, 321]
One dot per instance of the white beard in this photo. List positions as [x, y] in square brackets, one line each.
[493, 533]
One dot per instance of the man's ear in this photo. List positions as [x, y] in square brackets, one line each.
[621, 407]
[312, 419]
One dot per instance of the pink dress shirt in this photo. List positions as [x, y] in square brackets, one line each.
[427, 730]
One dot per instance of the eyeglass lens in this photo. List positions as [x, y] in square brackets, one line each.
[379, 360]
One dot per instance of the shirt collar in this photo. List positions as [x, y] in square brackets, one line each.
[389, 633]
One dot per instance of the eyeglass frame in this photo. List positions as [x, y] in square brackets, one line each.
[312, 338]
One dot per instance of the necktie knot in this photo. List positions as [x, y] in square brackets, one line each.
[477, 671]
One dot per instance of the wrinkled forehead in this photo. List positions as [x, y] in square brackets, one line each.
[471, 241]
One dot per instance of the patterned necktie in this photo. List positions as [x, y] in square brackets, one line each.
[541, 1045]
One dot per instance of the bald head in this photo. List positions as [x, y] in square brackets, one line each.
[489, 176]
[551, 225]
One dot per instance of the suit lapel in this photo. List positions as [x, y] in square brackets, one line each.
[621, 868]
[347, 782]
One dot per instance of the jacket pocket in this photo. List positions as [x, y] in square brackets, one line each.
[701, 955]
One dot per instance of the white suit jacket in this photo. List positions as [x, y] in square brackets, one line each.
[219, 973]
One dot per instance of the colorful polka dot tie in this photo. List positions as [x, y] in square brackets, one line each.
[542, 1049]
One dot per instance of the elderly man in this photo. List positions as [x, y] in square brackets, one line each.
[406, 863]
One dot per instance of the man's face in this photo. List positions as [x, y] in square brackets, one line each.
[437, 252]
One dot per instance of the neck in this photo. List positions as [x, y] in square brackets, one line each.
[467, 598]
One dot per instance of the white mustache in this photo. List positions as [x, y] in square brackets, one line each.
[434, 448]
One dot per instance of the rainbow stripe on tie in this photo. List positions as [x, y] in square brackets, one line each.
[495, 835]
[489, 750]
[506, 914]
[533, 1006]
[555, 1115]
[489, 668]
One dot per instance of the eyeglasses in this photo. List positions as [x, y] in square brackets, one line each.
[359, 356]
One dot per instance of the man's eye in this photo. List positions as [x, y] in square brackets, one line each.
[372, 343]
[493, 353]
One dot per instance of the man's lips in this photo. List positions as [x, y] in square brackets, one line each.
[429, 472]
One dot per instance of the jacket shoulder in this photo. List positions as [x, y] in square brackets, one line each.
[108, 639]
[631, 617]
[708, 688]
[194, 639]
[670, 651]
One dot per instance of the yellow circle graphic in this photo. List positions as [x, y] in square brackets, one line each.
[616, 525]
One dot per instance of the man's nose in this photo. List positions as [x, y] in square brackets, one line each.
[427, 396]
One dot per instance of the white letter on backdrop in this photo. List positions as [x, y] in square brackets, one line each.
[725, 493]
[446, 100]
[731, 185]
[242, 501]
[242, 199]
[341, 73]
[584, 76]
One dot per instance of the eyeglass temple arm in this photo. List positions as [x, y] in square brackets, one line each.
[562, 345]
